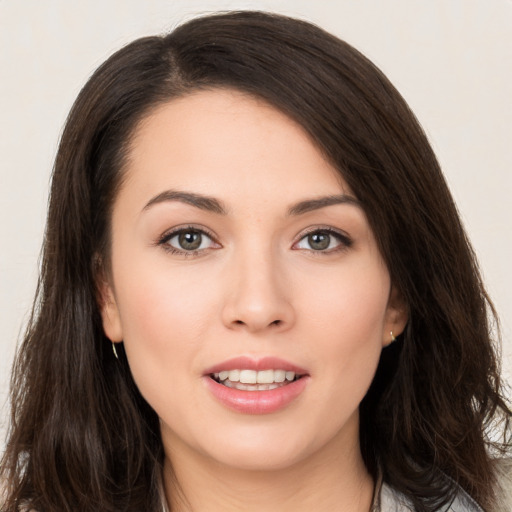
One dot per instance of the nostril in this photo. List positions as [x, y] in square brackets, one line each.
[257, 321]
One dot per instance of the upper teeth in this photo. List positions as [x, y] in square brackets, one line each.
[255, 377]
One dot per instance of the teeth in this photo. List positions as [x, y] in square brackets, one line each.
[248, 376]
[279, 375]
[263, 378]
[234, 375]
[249, 387]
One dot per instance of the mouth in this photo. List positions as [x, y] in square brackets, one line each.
[255, 380]
[256, 385]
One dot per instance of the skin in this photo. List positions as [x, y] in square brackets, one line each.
[257, 287]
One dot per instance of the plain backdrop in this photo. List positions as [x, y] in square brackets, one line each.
[451, 60]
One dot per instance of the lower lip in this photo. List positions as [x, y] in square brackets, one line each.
[257, 402]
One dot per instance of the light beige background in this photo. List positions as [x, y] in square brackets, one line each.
[451, 59]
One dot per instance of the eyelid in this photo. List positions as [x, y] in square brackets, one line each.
[344, 239]
[176, 230]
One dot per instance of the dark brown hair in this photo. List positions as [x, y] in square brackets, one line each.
[82, 438]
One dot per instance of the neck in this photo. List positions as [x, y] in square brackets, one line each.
[334, 478]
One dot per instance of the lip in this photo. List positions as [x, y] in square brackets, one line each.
[256, 402]
[249, 363]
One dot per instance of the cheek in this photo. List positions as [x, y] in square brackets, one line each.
[157, 303]
[347, 318]
[347, 350]
[350, 303]
[165, 321]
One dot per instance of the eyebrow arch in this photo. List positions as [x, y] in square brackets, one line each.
[321, 202]
[200, 201]
[211, 204]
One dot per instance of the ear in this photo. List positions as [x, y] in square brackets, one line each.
[397, 315]
[108, 306]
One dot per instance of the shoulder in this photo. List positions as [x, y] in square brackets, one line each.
[503, 485]
[393, 501]
[389, 500]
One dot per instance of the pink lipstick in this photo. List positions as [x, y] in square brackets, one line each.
[256, 386]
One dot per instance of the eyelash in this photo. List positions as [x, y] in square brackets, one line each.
[344, 241]
[164, 240]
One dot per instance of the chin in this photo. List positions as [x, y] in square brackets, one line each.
[267, 449]
[261, 460]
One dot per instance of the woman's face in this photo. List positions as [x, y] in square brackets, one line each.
[240, 255]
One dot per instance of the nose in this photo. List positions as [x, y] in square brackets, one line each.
[257, 295]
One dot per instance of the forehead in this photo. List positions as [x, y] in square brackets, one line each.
[227, 143]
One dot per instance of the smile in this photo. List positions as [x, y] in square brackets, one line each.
[256, 386]
[252, 380]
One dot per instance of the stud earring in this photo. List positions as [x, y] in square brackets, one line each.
[114, 350]
[393, 339]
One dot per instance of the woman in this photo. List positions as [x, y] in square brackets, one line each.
[256, 293]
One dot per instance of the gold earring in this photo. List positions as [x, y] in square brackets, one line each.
[393, 339]
[114, 350]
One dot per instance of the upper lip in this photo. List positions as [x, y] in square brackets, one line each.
[255, 363]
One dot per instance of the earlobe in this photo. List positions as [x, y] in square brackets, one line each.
[396, 317]
[109, 311]
[110, 317]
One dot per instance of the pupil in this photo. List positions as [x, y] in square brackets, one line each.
[319, 241]
[191, 240]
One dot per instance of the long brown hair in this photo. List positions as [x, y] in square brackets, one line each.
[82, 437]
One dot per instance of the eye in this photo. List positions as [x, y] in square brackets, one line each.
[323, 240]
[187, 240]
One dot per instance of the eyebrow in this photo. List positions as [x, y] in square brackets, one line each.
[321, 202]
[212, 204]
[209, 204]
